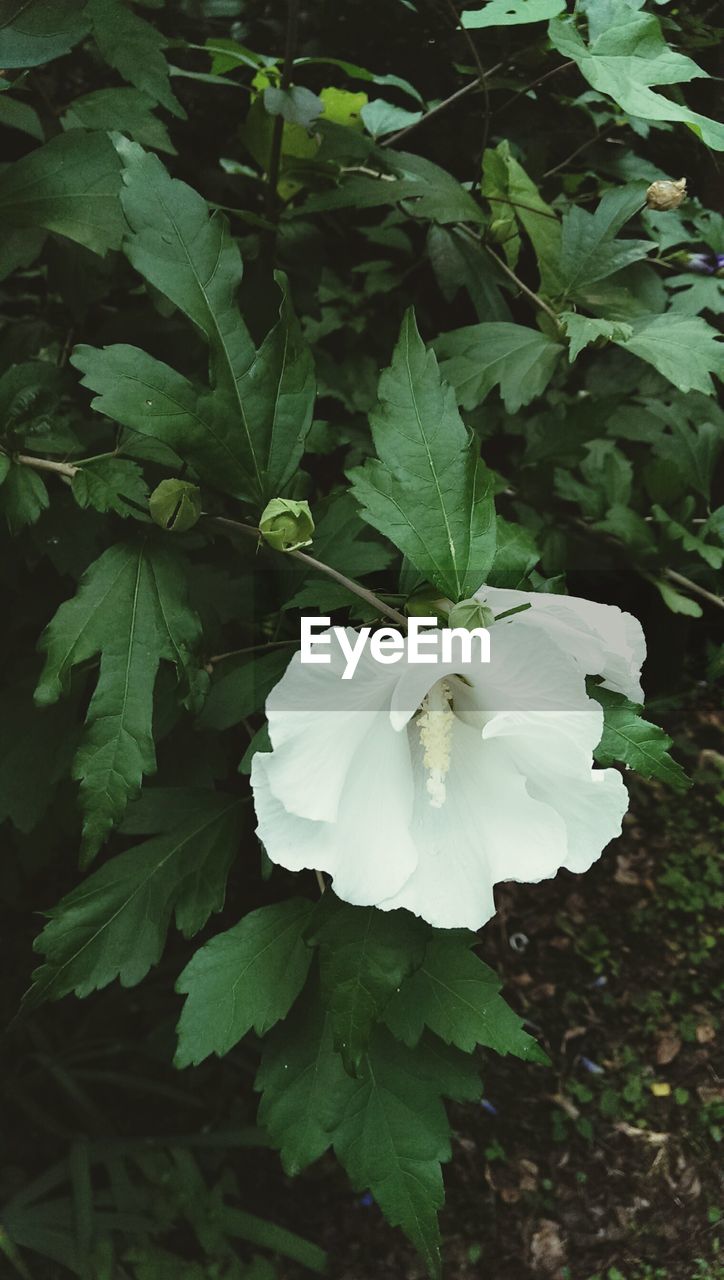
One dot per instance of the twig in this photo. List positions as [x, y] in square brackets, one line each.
[441, 106]
[482, 74]
[534, 85]
[517, 204]
[523, 287]
[251, 648]
[597, 137]
[234, 526]
[46, 464]
[693, 587]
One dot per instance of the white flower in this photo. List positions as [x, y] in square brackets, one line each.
[423, 786]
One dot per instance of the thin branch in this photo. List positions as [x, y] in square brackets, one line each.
[234, 526]
[441, 106]
[597, 137]
[251, 648]
[517, 204]
[46, 464]
[534, 85]
[482, 74]
[534, 298]
[693, 587]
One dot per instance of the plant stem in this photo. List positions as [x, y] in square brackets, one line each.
[272, 201]
[693, 587]
[251, 648]
[66, 469]
[482, 74]
[523, 287]
[441, 106]
[235, 526]
[534, 85]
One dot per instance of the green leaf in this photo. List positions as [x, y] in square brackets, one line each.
[380, 117]
[693, 450]
[714, 556]
[247, 436]
[296, 105]
[23, 497]
[684, 349]
[126, 110]
[429, 192]
[626, 57]
[394, 1133]
[34, 754]
[70, 186]
[365, 955]
[16, 114]
[516, 555]
[134, 48]
[508, 13]
[634, 741]
[457, 996]
[114, 924]
[241, 686]
[676, 601]
[130, 608]
[36, 31]
[514, 200]
[304, 1084]
[478, 357]
[248, 977]
[589, 250]
[583, 330]
[429, 491]
[106, 483]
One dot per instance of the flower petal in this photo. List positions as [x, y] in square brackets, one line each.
[603, 639]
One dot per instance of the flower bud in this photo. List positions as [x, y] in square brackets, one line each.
[664, 195]
[175, 505]
[500, 230]
[286, 525]
[703, 264]
[428, 602]
[470, 614]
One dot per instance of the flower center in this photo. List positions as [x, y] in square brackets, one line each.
[435, 723]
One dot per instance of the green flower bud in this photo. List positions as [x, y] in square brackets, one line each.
[500, 230]
[175, 505]
[286, 525]
[470, 614]
[427, 602]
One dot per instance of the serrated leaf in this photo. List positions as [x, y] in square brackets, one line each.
[515, 200]
[245, 437]
[676, 601]
[479, 357]
[241, 686]
[428, 492]
[33, 32]
[394, 1133]
[248, 977]
[364, 956]
[714, 556]
[589, 250]
[508, 13]
[583, 330]
[634, 741]
[130, 608]
[684, 349]
[134, 48]
[15, 114]
[516, 555]
[429, 192]
[304, 1085]
[106, 483]
[626, 57]
[23, 496]
[458, 997]
[114, 924]
[693, 450]
[126, 110]
[70, 185]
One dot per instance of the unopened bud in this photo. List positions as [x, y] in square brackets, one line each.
[501, 229]
[286, 525]
[470, 614]
[428, 602]
[175, 505]
[664, 195]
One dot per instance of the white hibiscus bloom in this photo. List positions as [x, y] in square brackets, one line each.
[423, 786]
